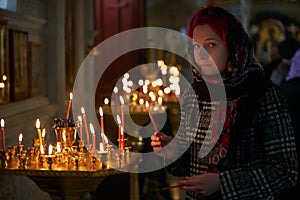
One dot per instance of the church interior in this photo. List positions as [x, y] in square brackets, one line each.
[46, 48]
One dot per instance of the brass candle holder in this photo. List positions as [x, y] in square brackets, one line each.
[68, 170]
[66, 136]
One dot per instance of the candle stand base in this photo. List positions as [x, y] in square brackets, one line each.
[64, 185]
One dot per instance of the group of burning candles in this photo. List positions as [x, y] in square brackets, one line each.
[83, 121]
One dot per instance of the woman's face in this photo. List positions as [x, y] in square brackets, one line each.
[209, 50]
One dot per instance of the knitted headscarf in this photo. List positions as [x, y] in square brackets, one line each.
[295, 67]
[243, 79]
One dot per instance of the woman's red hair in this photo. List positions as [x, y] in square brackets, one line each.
[216, 17]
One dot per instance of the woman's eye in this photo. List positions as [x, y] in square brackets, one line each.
[212, 44]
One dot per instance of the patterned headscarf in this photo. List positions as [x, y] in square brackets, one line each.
[295, 67]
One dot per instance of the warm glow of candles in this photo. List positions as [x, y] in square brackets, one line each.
[80, 126]
[160, 100]
[85, 125]
[50, 149]
[43, 136]
[3, 134]
[69, 105]
[150, 115]
[38, 127]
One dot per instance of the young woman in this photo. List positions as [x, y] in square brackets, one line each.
[254, 154]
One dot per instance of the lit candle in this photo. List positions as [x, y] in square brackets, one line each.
[58, 149]
[93, 137]
[104, 140]
[69, 105]
[150, 115]
[80, 126]
[122, 137]
[102, 127]
[85, 125]
[101, 119]
[20, 138]
[119, 130]
[50, 149]
[3, 135]
[101, 148]
[43, 136]
[42, 149]
[38, 127]
[122, 110]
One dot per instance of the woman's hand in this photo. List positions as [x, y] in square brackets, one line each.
[159, 140]
[204, 184]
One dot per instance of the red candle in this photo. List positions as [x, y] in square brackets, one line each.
[101, 119]
[122, 137]
[119, 130]
[151, 117]
[85, 125]
[43, 136]
[69, 106]
[102, 127]
[3, 135]
[80, 126]
[122, 110]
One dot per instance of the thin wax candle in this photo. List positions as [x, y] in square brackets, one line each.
[80, 126]
[85, 125]
[93, 137]
[151, 117]
[38, 128]
[3, 134]
[69, 106]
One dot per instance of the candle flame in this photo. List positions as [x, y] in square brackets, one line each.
[43, 132]
[38, 124]
[101, 111]
[106, 101]
[71, 95]
[58, 148]
[105, 138]
[121, 100]
[92, 128]
[2, 123]
[79, 118]
[50, 149]
[147, 104]
[20, 137]
[116, 90]
[82, 110]
[118, 119]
